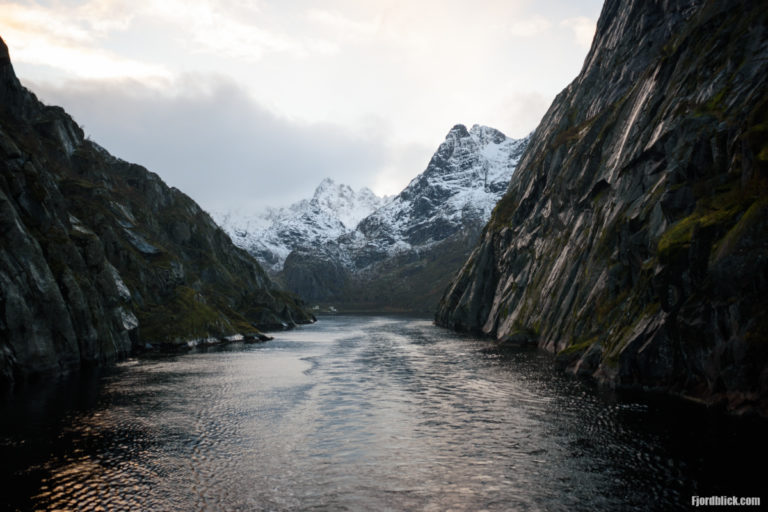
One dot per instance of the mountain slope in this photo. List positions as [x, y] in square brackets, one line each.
[99, 256]
[633, 238]
[401, 255]
[333, 210]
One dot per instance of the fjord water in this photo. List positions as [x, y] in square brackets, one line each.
[363, 413]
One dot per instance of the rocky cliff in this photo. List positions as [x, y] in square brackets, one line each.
[401, 256]
[633, 239]
[99, 256]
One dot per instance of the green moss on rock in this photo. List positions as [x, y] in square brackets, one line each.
[578, 347]
[183, 316]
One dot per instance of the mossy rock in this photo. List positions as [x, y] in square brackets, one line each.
[720, 211]
[182, 317]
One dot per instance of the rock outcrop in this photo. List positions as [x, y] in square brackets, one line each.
[99, 256]
[401, 256]
[633, 239]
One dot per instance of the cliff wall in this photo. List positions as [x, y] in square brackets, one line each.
[633, 239]
[100, 257]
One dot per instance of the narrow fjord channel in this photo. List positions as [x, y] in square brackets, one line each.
[364, 413]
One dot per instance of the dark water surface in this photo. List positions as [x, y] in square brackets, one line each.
[364, 413]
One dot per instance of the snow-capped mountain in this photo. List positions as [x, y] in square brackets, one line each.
[334, 210]
[431, 225]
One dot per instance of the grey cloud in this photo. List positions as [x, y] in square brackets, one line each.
[216, 144]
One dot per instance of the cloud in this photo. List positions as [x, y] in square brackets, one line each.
[84, 62]
[240, 30]
[363, 92]
[72, 38]
[583, 29]
[343, 26]
[68, 40]
[521, 112]
[405, 162]
[529, 27]
[216, 144]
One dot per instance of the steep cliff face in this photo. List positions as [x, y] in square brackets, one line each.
[633, 239]
[401, 256]
[99, 256]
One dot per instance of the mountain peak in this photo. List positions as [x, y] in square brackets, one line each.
[327, 186]
[5, 57]
[10, 87]
[486, 134]
[480, 133]
[326, 183]
[458, 130]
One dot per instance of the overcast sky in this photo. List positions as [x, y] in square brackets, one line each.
[244, 104]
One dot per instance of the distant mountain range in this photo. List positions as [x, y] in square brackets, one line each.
[334, 210]
[359, 251]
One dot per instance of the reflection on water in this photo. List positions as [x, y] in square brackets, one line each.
[363, 413]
